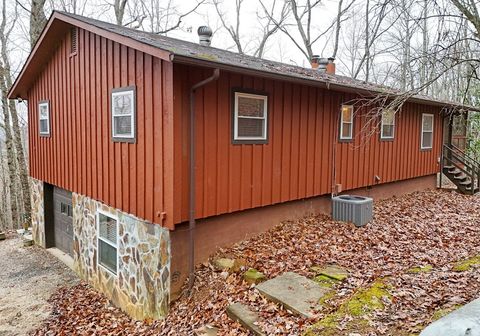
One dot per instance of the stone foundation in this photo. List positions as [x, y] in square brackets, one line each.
[38, 212]
[142, 286]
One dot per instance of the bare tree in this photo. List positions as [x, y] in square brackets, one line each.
[233, 30]
[303, 17]
[119, 8]
[268, 23]
[160, 16]
[470, 10]
[6, 77]
[38, 20]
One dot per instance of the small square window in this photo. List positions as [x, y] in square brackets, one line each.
[387, 131]
[427, 131]
[123, 114]
[44, 118]
[107, 241]
[250, 118]
[346, 122]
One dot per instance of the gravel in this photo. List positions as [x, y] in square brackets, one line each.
[28, 277]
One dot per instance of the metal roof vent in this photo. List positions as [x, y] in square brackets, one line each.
[204, 35]
[355, 209]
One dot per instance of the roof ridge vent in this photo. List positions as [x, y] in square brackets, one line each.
[204, 35]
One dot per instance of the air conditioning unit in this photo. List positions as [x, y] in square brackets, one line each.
[355, 209]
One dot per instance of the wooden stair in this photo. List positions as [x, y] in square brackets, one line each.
[461, 169]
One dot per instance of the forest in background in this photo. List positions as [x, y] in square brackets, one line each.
[418, 46]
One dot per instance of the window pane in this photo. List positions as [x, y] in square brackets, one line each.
[122, 125]
[43, 111]
[250, 128]
[387, 131]
[107, 256]
[251, 107]
[346, 131]
[427, 139]
[43, 126]
[388, 117]
[122, 103]
[63, 208]
[347, 113]
[108, 228]
[427, 123]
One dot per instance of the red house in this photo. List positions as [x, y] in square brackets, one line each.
[120, 183]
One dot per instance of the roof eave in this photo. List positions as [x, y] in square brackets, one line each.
[312, 82]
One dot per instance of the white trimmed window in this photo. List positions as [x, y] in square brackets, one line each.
[250, 118]
[107, 226]
[346, 122]
[427, 131]
[44, 118]
[387, 131]
[123, 114]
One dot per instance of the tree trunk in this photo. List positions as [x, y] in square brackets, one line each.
[38, 20]
[25, 200]
[10, 155]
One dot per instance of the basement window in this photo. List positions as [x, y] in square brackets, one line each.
[250, 118]
[387, 131]
[123, 114]
[107, 241]
[427, 131]
[346, 122]
[44, 118]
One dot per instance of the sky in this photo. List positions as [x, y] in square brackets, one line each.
[278, 48]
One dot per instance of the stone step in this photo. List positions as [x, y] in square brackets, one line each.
[207, 331]
[294, 292]
[463, 321]
[243, 315]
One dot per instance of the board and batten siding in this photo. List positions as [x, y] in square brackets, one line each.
[298, 160]
[80, 155]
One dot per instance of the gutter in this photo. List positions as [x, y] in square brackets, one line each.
[192, 205]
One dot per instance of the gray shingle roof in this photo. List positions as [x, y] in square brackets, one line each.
[195, 51]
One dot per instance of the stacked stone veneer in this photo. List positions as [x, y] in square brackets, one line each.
[142, 286]
[38, 213]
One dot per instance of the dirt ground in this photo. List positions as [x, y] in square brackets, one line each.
[28, 277]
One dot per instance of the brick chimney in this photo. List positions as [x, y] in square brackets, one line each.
[330, 68]
[314, 61]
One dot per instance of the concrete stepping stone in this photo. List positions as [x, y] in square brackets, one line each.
[465, 321]
[247, 318]
[333, 272]
[207, 331]
[295, 292]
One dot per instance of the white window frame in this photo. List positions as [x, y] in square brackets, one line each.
[350, 137]
[429, 131]
[40, 118]
[236, 137]
[120, 92]
[115, 217]
[386, 137]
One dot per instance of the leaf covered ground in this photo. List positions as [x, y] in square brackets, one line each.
[417, 245]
